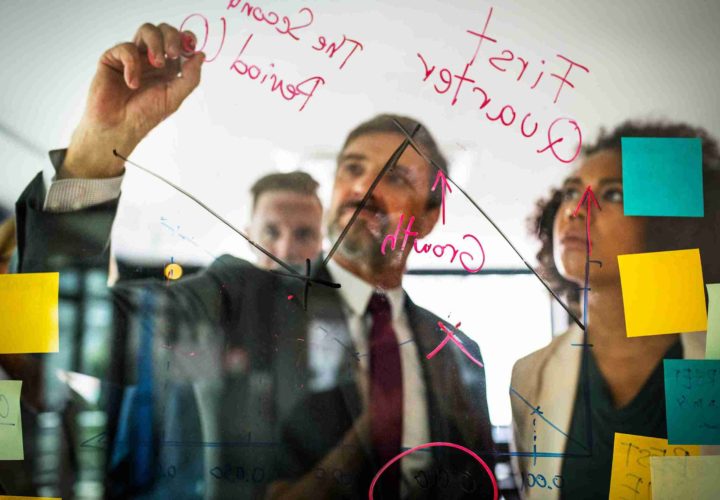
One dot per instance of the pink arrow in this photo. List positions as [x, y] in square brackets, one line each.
[588, 196]
[440, 177]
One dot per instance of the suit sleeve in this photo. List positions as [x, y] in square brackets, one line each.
[50, 241]
[194, 315]
[57, 242]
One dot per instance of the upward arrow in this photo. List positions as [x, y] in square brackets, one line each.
[440, 177]
[589, 198]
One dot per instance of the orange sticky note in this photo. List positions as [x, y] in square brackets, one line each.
[29, 312]
[663, 292]
[631, 473]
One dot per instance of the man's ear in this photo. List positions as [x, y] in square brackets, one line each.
[425, 223]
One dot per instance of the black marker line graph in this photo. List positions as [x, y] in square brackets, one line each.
[309, 277]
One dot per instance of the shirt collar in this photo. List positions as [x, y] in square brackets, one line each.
[356, 293]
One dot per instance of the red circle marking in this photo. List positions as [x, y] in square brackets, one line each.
[434, 445]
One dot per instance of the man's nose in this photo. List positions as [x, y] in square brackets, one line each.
[283, 247]
[575, 212]
[289, 250]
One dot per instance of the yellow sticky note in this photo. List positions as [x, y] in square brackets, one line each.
[630, 477]
[685, 477]
[662, 292]
[29, 312]
[11, 442]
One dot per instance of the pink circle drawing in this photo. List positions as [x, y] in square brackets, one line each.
[435, 445]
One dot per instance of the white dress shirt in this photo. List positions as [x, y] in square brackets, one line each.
[356, 295]
[67, 195]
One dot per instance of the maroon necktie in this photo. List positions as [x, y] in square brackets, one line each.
[386, 394]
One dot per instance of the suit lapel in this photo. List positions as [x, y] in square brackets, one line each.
[561, 369]
[436, 371]
[453, 384]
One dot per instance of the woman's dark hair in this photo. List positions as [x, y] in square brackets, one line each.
[663, 233]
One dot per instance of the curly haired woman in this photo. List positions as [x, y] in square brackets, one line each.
[624, 375]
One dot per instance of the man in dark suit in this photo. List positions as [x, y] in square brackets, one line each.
[327, 394]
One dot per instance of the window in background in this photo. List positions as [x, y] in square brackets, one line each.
[508, 315]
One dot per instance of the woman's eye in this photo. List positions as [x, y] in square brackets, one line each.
[613, 195]
[570, 194]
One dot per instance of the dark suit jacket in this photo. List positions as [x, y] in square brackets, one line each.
[262, 421]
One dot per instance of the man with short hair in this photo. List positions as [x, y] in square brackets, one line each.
[286, 219]
[336, 382]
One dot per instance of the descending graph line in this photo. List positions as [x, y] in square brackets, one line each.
[390, 164]
[278, 260]
[545, 419]
[492, 222]
[409, 141]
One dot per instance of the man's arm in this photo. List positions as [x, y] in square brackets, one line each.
[49, 241]
[301, 476]
[190, 321]
[346, 457]
[66, 195]
[136, 86]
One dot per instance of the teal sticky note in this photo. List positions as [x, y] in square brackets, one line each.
[692, 400]
[662, 176]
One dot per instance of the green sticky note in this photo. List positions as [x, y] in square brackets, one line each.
[630, 472]
[692, 401]
[685, 477]
[662, 176]
[11, 442]
[712, 347]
